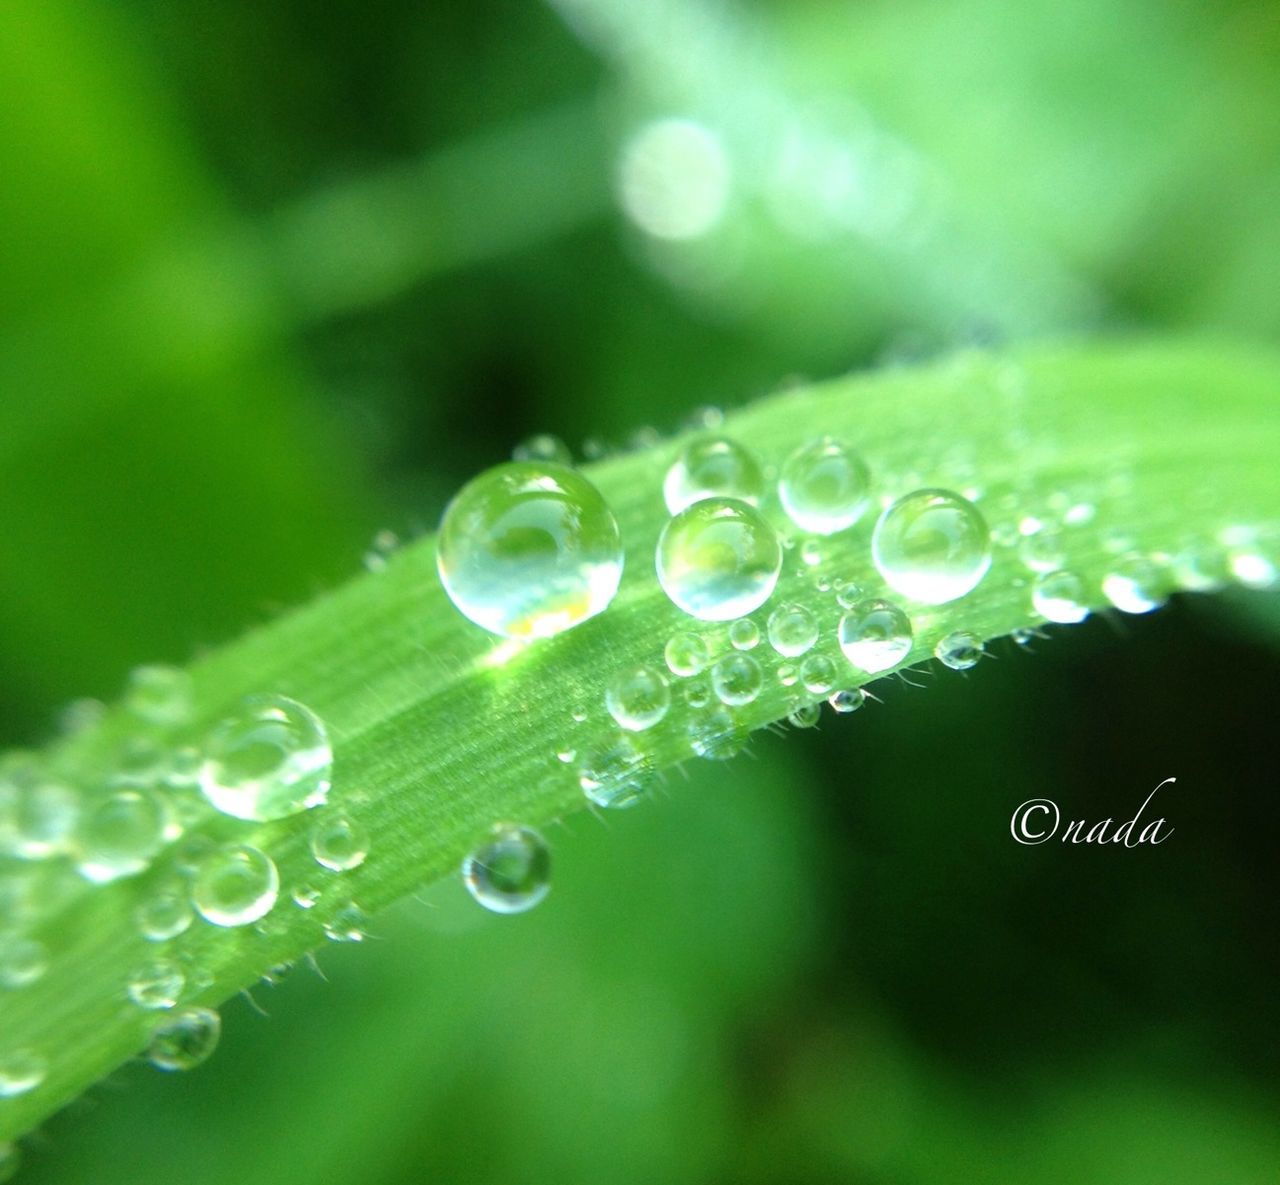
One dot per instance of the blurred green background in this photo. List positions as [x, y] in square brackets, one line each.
[276, 277]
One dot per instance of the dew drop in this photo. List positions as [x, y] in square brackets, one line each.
[736, 679]
[381, 550]
[1059, 596]
[1022, 637]
[638, 699]
[23, 961]
[1135, 584]
[614, 776]
[697, 695]
[347, 924]
[805, 716]
[712, 467]
[788, 674]
[960, 651]
[818, 674]
[120, 835]
[716, 736]
[1201, 567]
[744, 634]
[339, 843]
[686, 655]
[164, 914]
[38, 814]
[268, 760]
[718, 559]
[157, 985]
[875, 635]
[932, 546]
[1044, 551]
[235, 886]
[848, 700]
[160, 695]
[511, 872]
[529, 549]
[824, 487]
[543, 448]
[185, 1039]
[792, 630]
[848, 595]
[305, 896]
[811, 552]
[21, 1071]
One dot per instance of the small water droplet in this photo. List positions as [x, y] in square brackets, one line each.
[23, 961]
[543, 448]
[1079, 515]
[305, 896]
[381, 550]
[566, 756]
[736, 679]
[615, 775]
[269, 759]
[120, 835]
[347, 924]
[38, 814]
[875, 635]
[185, 1039]
[712, 467]
[528, 550]
[1044, 551]
[788, 674]
[848, 700]
[638, 698]
[1022, 637]
[1135, 584]
[697, 695]
[718, 559]
[818, 674]
[1201, 567]
[164, 914]
[235, 886]
[21, 1071]
[960, 651]
[744, 634]
[824, 487]
[339, 843]
[932, 546]
[849, 594]
[805, 716]
[1059, 596]
[716, 736]
[811, 552]
[160, 695]
[792, 630]
[157, 985]
[511, 872]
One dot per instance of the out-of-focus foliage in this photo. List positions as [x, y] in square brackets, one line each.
[275, 277]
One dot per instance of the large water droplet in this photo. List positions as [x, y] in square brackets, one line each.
[235, 886]
[875, 636]
[817, 674]
[511, 872]
[1059, 596]
[792, 630]
[805, 716]
[718, 559]
[932, 546]
[960, 651]
[712, 467]
[529, 549]
[120, 835]
[638, 698]
[1135, 584]
[339, 843]
[268, 760]
[824, 487]
[847, 700]
[736, 679]
[185, 1039]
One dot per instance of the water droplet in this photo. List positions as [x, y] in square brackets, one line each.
[566, 756]
[674, 179]
[792, 630]
[528, 550]
[1201, 567]
[21, 1070]
[959, 651]
[511, 872]
[305, 896]
[614, 776]
[811, 552]
[638, 699]
[1044, 551]
[686, 655]
[339, 843]
[787, 674]
[744, 634]
[1022, 636]
[185, 1039]
[697, 695]
[818, 674]
[718, 559]
[875, 636]
[164, 914]
[268, 760]
[22, 961]
[824, 487]
[1252, 567]
[932, 546]
[38, 814]
[347, 924]
[848, 700]
[736, 679]
[160, 695]
[716, 736]
[1059, 596]
[849, 594]
[543, 448]
[235, 886]
[184, 766]
[157, 985]
[805, 716]
[381, 550]
[1135, 584]
[120, 835]
[712, 467]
